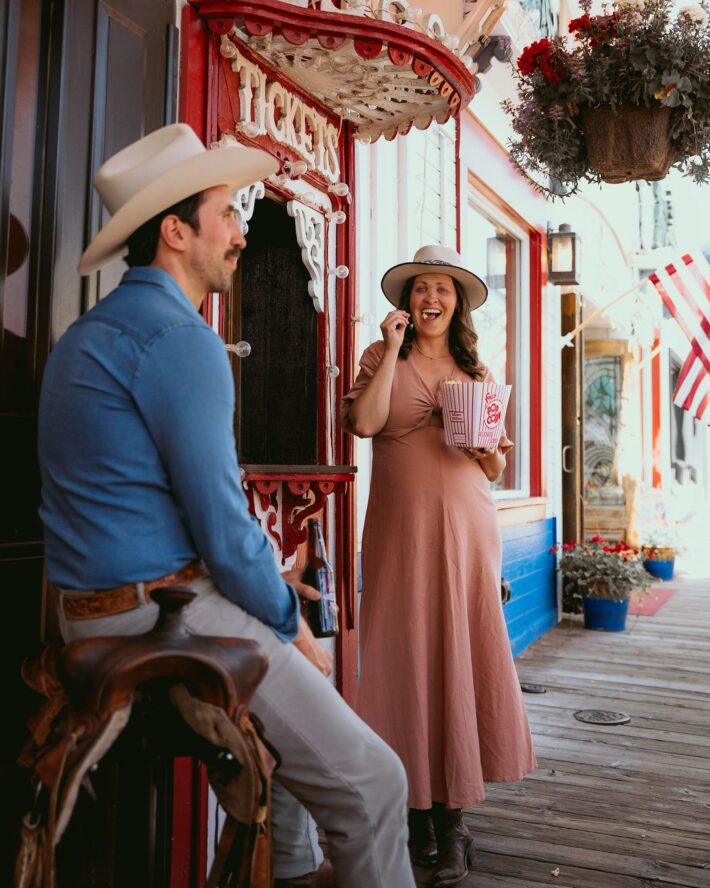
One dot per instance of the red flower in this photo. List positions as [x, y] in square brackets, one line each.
[567, 547]
[528, 60]
[541, 56]
[597, 539]
[598, 29]
[583, 23]
[551, 68]
[553, 548]
[606, 549]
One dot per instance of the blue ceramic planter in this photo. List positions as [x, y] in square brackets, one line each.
[662, 570]
[605, 613]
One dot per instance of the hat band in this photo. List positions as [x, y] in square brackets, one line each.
[433, 262]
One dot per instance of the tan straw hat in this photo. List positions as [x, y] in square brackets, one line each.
[430, 260]
[156, 172]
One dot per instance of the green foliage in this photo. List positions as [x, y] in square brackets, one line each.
[636, 53]
[594, 567]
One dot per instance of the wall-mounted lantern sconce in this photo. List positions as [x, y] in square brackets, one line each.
[563, 256]
[496, 260]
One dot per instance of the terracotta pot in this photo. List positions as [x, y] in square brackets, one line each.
[660, 553]
[633, 143]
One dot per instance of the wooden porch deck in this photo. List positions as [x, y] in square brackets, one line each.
[610, 807]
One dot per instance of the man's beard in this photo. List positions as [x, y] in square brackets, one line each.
[217, 279]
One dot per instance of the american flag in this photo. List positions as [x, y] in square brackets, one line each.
[685, 289]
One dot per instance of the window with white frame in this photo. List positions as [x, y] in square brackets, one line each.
[427, 186]
[497, 249]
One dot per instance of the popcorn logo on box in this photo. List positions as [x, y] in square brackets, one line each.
[494, 411]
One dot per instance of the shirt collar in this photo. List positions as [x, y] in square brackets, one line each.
[143, 274]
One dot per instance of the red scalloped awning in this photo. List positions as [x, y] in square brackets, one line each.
[383, 77]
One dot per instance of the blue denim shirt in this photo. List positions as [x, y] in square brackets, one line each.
[137, 454]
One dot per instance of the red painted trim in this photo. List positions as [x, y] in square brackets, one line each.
[193, 71]
[656, 475]
[346, 650]
[322, 412]
[181, 847]
[538, 279]
[300, 477]
[200, 826]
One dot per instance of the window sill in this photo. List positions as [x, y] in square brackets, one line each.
[521, 511]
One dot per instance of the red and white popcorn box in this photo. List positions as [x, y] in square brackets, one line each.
[473, 413]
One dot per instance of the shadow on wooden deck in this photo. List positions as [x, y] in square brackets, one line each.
[610, 807]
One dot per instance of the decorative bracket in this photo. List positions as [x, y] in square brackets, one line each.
[244, 201]
[284, 501]
[310, 233]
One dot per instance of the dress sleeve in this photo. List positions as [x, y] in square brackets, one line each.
[369, 362]
[504, 444]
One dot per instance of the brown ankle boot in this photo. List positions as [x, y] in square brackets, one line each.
[455, 846]
[422, 841]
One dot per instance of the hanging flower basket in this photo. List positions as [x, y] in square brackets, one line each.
[627, 100]
[629, 143]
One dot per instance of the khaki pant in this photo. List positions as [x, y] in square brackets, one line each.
[332, 763]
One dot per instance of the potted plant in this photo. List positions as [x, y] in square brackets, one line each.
[660, 549]
[599, 578]
[627, 99]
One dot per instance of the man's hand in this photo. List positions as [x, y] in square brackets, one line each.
[311, 650]
[303, 590]
[305, 641]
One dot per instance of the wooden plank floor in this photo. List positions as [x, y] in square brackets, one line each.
[610, 807]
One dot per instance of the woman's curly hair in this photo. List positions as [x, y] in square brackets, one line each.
[463, 339]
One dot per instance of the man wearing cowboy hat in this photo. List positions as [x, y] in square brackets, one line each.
[141, 487]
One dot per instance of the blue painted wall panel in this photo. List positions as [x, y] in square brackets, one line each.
[529, 567]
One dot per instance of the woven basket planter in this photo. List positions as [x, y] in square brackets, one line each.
[633, 143]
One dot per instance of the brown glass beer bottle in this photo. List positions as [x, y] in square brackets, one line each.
[322, 615]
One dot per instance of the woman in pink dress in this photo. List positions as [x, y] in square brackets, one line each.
[437, 680]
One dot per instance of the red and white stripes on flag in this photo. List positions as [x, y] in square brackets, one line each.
[684, 288]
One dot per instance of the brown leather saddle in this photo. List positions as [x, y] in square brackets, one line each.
[91, 685]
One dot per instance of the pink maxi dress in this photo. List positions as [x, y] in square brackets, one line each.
[437, 679]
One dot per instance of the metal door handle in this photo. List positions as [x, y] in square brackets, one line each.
[565, 451]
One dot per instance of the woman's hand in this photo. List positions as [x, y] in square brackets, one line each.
[491, 461]
[393, 329]
[478, 452]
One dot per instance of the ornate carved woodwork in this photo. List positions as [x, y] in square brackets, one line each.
[310, 233]
[283, 498]
[375, 66]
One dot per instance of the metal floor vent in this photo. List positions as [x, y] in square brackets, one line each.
[602, 717]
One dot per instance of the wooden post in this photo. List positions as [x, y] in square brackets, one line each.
[572, 422]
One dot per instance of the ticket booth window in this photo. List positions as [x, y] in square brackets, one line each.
[269, 307]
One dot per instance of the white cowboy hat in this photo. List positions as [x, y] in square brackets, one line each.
[156, 172]
[429, 260]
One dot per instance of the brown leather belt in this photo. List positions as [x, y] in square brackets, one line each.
[109, 602]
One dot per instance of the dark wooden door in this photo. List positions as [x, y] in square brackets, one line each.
[572, 419]
[269, 307]
[79, 79]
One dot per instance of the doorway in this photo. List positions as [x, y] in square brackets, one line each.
[277, 384]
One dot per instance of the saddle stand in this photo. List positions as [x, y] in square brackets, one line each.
[91, 685]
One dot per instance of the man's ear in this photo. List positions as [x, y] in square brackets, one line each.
[173, 233]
